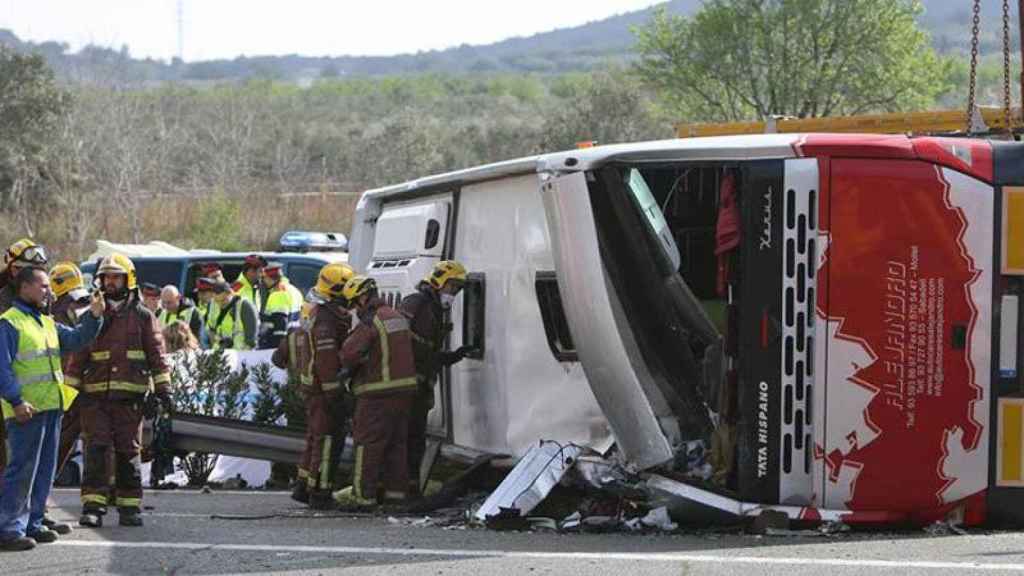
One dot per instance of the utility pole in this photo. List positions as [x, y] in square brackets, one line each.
[181, 30]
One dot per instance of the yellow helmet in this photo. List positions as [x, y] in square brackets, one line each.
[25, 251]
[118, 264]
[331, 282]
[444, 271]
[357, 286]
[65, 277]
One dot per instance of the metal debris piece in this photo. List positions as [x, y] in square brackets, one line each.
[533, 478]
[944, 529]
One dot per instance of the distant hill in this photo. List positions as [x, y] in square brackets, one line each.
[579, 48]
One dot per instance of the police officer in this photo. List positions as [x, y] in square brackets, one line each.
[247, 285]
[234, 327]
[280, 303]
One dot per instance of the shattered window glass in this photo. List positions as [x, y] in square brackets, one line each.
[652, 213]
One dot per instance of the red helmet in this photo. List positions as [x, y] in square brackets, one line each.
[254, 261]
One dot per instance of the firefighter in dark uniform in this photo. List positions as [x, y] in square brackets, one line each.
[72, 301]
[378, 354]
[311, 353]
[427, 309]
[113, 376]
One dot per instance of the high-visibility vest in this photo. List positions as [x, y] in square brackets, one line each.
[208, 312]
[229, 325]
[182, 313]
[247, 291]
[283, 299]
[37, 365]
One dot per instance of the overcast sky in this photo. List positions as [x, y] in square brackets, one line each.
[228, 28]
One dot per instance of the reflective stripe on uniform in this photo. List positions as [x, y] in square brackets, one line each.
[325, 461]
[94, 499]
[305, 376]
[357, 475]
[392, 325]
[382, 386]
[128, 502]
[33, 354]
[385, 350]
[385, 383]
[26, 380]
[99, 356]
[135, 354]
[116, 385]
[329, 386]
[162, 378]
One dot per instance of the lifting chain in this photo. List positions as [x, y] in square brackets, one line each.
[971, 95]
[1006, 67]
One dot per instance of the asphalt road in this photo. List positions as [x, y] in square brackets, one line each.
[180, 537]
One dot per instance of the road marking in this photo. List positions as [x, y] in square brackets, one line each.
[151, 493]
[621, 556]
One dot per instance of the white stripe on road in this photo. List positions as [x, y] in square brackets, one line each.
[523, 555]
[151, 493]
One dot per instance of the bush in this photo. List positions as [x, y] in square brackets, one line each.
[218, 224]
[204, 384]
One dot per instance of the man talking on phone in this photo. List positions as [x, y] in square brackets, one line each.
[33, 397]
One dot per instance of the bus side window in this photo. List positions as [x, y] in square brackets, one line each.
[556, 327]
[473, 314]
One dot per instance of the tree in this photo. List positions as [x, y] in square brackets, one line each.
[753, 59]
[31, 108]
[608, 107]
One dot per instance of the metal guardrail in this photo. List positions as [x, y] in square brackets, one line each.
[244, 439]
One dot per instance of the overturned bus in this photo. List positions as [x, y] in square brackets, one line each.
[835, 316]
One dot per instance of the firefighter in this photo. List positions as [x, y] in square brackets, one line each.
[69, 290]
[311, 353]
[234, 327]
[426, 310]
[280, 304]
[174, 307]
[247, 285]
[72, 299]
[151, 297]
[34, 395]
[21, 254]
[378, 354]
[114, 374]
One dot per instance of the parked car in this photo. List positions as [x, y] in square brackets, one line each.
[183, 270]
